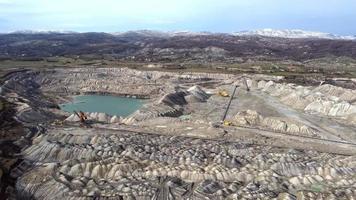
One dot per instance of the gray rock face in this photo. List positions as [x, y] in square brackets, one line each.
[119, 81]
[173, 99]
[325, 100]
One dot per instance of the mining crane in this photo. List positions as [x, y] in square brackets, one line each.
[225, 122]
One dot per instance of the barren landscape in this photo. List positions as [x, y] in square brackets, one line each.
[284, 129]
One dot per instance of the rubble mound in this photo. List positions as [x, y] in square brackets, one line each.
[169, 105]
[96, 116]
[251, 118]
[197, 93]
[173, 99]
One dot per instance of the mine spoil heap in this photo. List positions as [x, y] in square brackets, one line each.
[284, 141]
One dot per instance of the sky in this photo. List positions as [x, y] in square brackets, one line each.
[332, 16]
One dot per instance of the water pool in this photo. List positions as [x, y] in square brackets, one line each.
[112, 105]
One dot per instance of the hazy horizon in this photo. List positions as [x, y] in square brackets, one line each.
[330, 16]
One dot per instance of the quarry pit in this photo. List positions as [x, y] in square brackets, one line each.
[278, 140]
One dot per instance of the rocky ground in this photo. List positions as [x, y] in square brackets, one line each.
[283, 141]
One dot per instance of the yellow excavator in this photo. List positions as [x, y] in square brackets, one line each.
[227, 123]
[223, 93]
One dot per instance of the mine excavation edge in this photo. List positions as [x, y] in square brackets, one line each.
[222, 138]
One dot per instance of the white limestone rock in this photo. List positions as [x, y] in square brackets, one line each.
[73, 118]
[115, 119]
[103, 117]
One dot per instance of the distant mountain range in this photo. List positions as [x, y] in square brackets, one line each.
[285, 33]
[179, 47]
[294, 34]
[39, 32]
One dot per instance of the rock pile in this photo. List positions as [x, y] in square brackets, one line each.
[96, 116]
[169, 105]
[197, 94]
[251, 118]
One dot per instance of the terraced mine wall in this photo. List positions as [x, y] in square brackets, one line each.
[171, 148]
[129, 95]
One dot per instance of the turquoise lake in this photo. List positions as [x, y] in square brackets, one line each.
[111, 105]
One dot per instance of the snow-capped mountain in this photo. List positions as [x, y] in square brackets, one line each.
[41, 31]
[153, 33]
[286, 33]
[263, 32]
[146, 33]
[295, 33]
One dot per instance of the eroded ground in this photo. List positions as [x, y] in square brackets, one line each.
[284, 141]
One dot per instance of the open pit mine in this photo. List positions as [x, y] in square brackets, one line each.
[196, 136]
